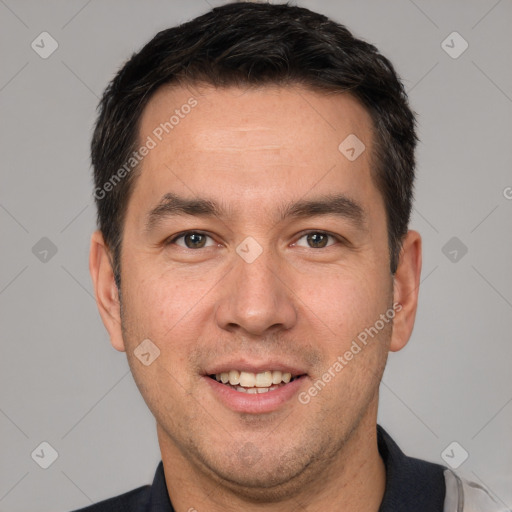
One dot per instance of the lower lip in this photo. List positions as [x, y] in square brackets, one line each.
[256, 403]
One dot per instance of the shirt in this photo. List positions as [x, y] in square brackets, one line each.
[411, 485]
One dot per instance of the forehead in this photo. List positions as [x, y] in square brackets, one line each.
[253, 143]
[245, 118]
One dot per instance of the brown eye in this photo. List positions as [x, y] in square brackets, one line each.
[192, 240]
[317, 240]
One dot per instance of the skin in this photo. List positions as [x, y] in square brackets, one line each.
[254, 151]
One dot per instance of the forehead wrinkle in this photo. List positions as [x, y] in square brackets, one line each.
[240, 149]
[238, 138]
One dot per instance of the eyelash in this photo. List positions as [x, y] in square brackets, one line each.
[172, 241]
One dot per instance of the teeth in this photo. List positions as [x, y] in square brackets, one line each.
[260, 382]
[247, 380]
[264, 380]
[254, 390]
[276, 377]
[234, 377]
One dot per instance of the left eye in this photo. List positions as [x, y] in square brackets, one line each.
[192, 240]
[316, 240]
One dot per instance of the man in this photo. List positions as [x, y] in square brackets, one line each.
[254, 171]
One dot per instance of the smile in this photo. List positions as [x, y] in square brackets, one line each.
[252, 383]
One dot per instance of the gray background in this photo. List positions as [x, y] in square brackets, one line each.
[60, 380]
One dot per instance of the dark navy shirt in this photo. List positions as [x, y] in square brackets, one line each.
[411, 485]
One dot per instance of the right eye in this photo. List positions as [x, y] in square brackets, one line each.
[191, 240]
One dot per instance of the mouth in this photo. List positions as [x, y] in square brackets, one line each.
[255, 383]
[255, 387]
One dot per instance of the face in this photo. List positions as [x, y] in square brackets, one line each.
[255, 250]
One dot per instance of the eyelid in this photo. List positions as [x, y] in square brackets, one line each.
[172, 239]
[338, 238]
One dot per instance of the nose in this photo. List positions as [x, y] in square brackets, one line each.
[256, 298]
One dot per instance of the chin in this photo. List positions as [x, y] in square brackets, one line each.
[262, 478]
[262, 487]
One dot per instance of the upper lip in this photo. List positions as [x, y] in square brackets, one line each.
[252, 367]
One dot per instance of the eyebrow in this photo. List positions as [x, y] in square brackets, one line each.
[171, 205]
[339, 205]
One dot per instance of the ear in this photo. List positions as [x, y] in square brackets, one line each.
[105, 289]
[405, 290]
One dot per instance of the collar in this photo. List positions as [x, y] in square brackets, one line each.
[411, 484]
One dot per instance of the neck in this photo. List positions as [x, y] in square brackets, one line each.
[354, 480]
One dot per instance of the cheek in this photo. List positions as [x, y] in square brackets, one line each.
[350, 301]
[164, 306]
[157, 309]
